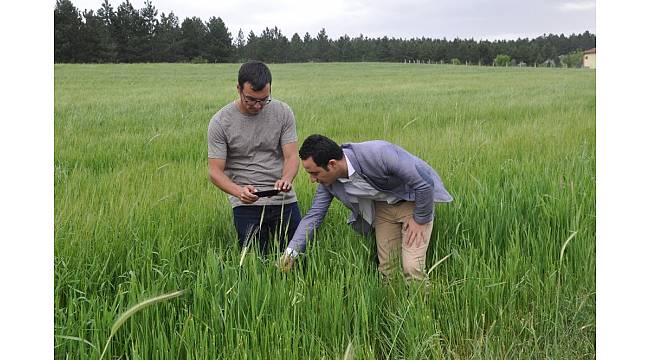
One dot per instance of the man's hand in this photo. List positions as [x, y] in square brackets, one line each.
[246, 196]
[283, 185]
[285, 263]
[414, 233]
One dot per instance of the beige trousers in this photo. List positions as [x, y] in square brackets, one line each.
[390, 230]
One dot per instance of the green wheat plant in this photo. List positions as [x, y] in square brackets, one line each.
[136, 215]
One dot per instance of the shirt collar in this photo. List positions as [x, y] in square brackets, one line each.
[350, 167]
[351, 170]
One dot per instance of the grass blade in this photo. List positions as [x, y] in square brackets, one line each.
[559, 288]
[437, 263]
[134, 309]
[565, 244]
[349, 352]
[77, 339]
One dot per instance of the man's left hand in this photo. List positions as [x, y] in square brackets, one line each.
[283, 185]
[414, 233]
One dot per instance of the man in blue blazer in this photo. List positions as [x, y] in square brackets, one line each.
[387, 189]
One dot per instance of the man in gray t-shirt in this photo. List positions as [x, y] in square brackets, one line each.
[252, 146]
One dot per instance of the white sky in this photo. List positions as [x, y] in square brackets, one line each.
[478, 19]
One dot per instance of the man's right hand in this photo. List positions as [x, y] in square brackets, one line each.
[285, 263]
[246, 195]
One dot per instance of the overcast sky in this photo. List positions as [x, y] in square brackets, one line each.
[478, 19]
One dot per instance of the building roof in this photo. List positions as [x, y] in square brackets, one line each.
[590, 51]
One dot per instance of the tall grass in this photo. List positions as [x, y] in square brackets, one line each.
[135, 216]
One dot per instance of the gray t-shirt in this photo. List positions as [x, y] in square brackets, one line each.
[252, 147]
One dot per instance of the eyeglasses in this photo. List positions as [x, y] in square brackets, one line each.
[252, 101]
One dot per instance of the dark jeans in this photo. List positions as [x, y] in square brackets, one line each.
[276, 229]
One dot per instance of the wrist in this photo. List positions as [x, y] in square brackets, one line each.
[238, 192]
[291, 252]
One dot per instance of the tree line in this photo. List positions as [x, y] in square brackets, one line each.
[130, 35]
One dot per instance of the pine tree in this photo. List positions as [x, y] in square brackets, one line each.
[193, 33]
[251, 46]
[358, 48]
[95, 44]
[383, 49]
[107, 16]
[240, 43]
[167, 38]
[67, 31]
[343, 49]
[282, 46]
[323, 47]
[272, 46]
[308, 47]
[296, 49]
[106, 13]
[218, 43]
[129, 34]
[149, 23]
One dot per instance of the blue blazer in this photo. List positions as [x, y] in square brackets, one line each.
[388, 168]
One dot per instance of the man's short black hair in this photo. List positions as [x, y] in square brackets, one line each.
[256, 73]
[321, 149]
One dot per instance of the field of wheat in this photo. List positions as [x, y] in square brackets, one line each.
[512, 260]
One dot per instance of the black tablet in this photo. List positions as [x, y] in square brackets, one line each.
[266, 193]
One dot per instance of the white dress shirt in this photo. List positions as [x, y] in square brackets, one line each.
[364, 194]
